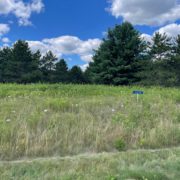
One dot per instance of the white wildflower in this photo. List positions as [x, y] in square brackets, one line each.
[45, 110]
[8, 120]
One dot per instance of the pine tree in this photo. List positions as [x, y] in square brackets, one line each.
[5, 65]
[47, 66]
[23, 64]
[117, 60]
[76, 75]
[61, 71]
[35, 75]
[161, 48]
[177, 48]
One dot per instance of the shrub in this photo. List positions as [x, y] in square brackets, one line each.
[120, 144]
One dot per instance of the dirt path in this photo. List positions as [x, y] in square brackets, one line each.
[86, 155]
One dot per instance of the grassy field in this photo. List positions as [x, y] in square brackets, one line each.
[46, 121]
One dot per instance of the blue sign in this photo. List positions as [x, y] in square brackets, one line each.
[138, 92]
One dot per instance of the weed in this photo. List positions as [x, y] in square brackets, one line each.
[120, 145]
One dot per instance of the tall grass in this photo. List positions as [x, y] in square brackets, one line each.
[59, 120]
[134, 165]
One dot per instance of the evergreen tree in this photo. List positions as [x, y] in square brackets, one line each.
[5, 65]
[175, 60]
[162, 47]
[76, 75]
[160, 73]
[47, 66]
[61, 72]
[117, 60]
[23, 64]
[35, 75]
[177, 46]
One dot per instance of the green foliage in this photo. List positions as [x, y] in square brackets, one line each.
[116, 61]
[161, 47]
[47, 66]
[163, 66]
[135, 165]
[6, 65]
[76, 75]
[61, 72]
[120, 144]
[112, 178]
[58, 104]
[162, 72]
[41, 119]
[123, 58]
[177, 45]
[49, 122]
[20, 65]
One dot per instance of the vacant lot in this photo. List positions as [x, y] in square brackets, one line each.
[40, 121]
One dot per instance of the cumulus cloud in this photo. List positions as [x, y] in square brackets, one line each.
[146, 12]
[4, 28]
[84, 67]
[5, 40]
[22, 10]
[171, 30]
[146, 37]
[67, 45]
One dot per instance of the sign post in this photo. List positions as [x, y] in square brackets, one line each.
[137, 93]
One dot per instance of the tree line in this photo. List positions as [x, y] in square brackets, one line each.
[19, 64]
[123, 58]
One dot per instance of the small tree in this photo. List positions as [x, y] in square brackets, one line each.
[76, 75]
[47, 66]
[61, 71]
[6, 69]
[177, 45]
[35, 75]
[23, 64]
[161, 48]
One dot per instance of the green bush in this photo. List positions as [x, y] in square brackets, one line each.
[120, 145]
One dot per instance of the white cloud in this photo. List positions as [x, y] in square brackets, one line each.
[146, 37]
[171, 30]
[22, 10]
[84, 67]
[146, 12]
[4, 46]
[67, 45]
[5, 40]
[4, 28]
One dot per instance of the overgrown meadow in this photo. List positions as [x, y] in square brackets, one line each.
[58, 120]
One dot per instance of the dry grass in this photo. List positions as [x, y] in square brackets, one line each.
[59, 120]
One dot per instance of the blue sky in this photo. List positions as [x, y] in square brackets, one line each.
[73, 28]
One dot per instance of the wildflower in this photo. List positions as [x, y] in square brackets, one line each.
[113, 110]
[8, 120]
[45, 110]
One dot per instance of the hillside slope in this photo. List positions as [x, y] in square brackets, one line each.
[40, 121]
